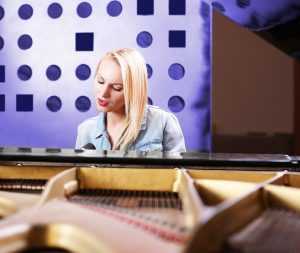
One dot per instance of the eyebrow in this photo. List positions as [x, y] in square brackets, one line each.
[102, 78]
[99, 77]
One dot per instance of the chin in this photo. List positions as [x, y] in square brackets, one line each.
[103, 109]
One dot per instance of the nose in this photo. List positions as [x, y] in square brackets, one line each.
[105, 91]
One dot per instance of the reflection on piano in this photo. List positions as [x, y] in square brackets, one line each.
[96, 201]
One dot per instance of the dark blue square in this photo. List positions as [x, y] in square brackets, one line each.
[2, 73]
[145, 7]
[84, 41]
[176, 38]
[2, 103]
[176, 7]
[24, 103]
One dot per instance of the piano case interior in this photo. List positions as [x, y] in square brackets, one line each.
[148, 209]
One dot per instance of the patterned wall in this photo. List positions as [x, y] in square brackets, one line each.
[49, 50]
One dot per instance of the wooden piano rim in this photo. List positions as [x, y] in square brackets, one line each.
[67, 237]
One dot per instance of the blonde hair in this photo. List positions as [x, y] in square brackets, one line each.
[135, 82]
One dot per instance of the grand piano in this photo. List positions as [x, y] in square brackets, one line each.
[62, 200]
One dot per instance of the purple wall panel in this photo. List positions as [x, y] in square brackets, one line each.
[107, 25]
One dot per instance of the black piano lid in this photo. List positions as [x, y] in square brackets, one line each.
[276, 21]
[96, 158]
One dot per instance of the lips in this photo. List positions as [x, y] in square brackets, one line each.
[102, 102]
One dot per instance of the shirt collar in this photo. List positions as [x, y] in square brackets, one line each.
[100, 129]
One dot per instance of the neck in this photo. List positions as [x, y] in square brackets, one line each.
[115, 123]
[114, 118]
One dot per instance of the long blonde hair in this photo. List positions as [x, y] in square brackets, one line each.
[135, 82]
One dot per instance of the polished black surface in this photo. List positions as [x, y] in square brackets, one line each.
[96, 157]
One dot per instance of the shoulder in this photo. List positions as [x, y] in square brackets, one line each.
[157, 112]
[168, 125]
[85, 131]
[159, 115]
[88, 124]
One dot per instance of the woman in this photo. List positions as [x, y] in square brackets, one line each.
[125, 120]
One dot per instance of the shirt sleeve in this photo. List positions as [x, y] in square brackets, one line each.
[82, 135]
[78, 143]
[173, 139]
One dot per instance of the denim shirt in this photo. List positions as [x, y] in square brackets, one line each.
[160, 131]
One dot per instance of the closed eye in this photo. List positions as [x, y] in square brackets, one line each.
[100, 80]
[117, 86]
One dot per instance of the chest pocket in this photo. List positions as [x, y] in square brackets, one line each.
[154, 145]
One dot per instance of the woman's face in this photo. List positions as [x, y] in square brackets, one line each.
[108, 87]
